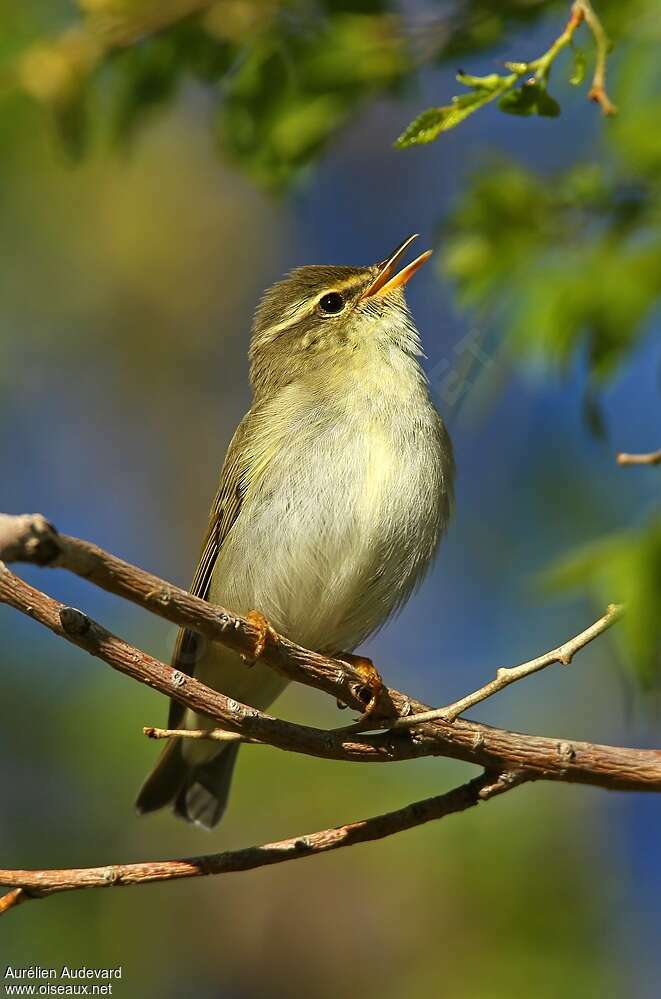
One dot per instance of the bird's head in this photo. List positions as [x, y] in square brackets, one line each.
[319, 316]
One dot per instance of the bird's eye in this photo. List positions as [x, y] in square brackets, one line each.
[331, 304]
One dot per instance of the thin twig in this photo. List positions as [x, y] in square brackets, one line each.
[12, 899]
[649, 458]
[542, 65]
[37, 884]
[597, 92]
[507, 675]
[212, 734]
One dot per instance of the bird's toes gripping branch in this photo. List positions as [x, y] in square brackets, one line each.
[373, 692]
[264, 631]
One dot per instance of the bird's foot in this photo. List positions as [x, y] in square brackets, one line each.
[264, 631]
[372, 691]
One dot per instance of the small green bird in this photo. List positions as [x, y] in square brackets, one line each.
[335, 492]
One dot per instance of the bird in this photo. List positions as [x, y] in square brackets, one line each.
[335, 492]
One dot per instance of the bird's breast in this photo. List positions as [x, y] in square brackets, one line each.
[342, 522]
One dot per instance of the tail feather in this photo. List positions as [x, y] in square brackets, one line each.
[164, 781]
[203, 796]
[197, 792]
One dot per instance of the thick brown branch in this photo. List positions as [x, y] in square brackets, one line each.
[506, 675]
[649, 458]
[495, 749]
[37, 884]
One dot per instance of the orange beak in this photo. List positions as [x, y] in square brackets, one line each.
[386, 280]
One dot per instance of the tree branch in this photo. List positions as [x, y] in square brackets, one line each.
[506, 675]
[32, 539]
[512, 756]
[37, 884]
[650, 458]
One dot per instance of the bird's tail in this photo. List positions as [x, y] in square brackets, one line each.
[198, 792]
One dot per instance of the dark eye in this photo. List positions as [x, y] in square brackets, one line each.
[331, 304]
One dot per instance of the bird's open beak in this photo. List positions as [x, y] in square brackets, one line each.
[386, 280]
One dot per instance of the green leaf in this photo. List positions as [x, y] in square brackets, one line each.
[491, 82]
[547, 106]
[521, 101]
[529, 99]
[578, 73]
[429, 125]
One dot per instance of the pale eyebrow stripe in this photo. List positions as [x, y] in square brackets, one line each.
[306, 306]
[355, 280]
[295, 312]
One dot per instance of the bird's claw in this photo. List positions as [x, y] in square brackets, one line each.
[264, 631]
[373, 688]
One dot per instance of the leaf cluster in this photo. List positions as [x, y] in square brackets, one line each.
[282, 79]
[521, 91]
[531, 97]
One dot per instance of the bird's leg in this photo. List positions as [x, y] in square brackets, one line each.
[264, 630]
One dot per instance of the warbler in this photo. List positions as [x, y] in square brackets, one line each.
[335, 491]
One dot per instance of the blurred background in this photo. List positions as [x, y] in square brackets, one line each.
[163, 163]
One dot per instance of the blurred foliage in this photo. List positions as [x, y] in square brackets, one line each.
[561, 263]
[572, 259]
[623, 567]
[283, 76]
[567, 267]
[290, 94]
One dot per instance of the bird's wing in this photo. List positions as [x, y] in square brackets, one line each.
[224, 512]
